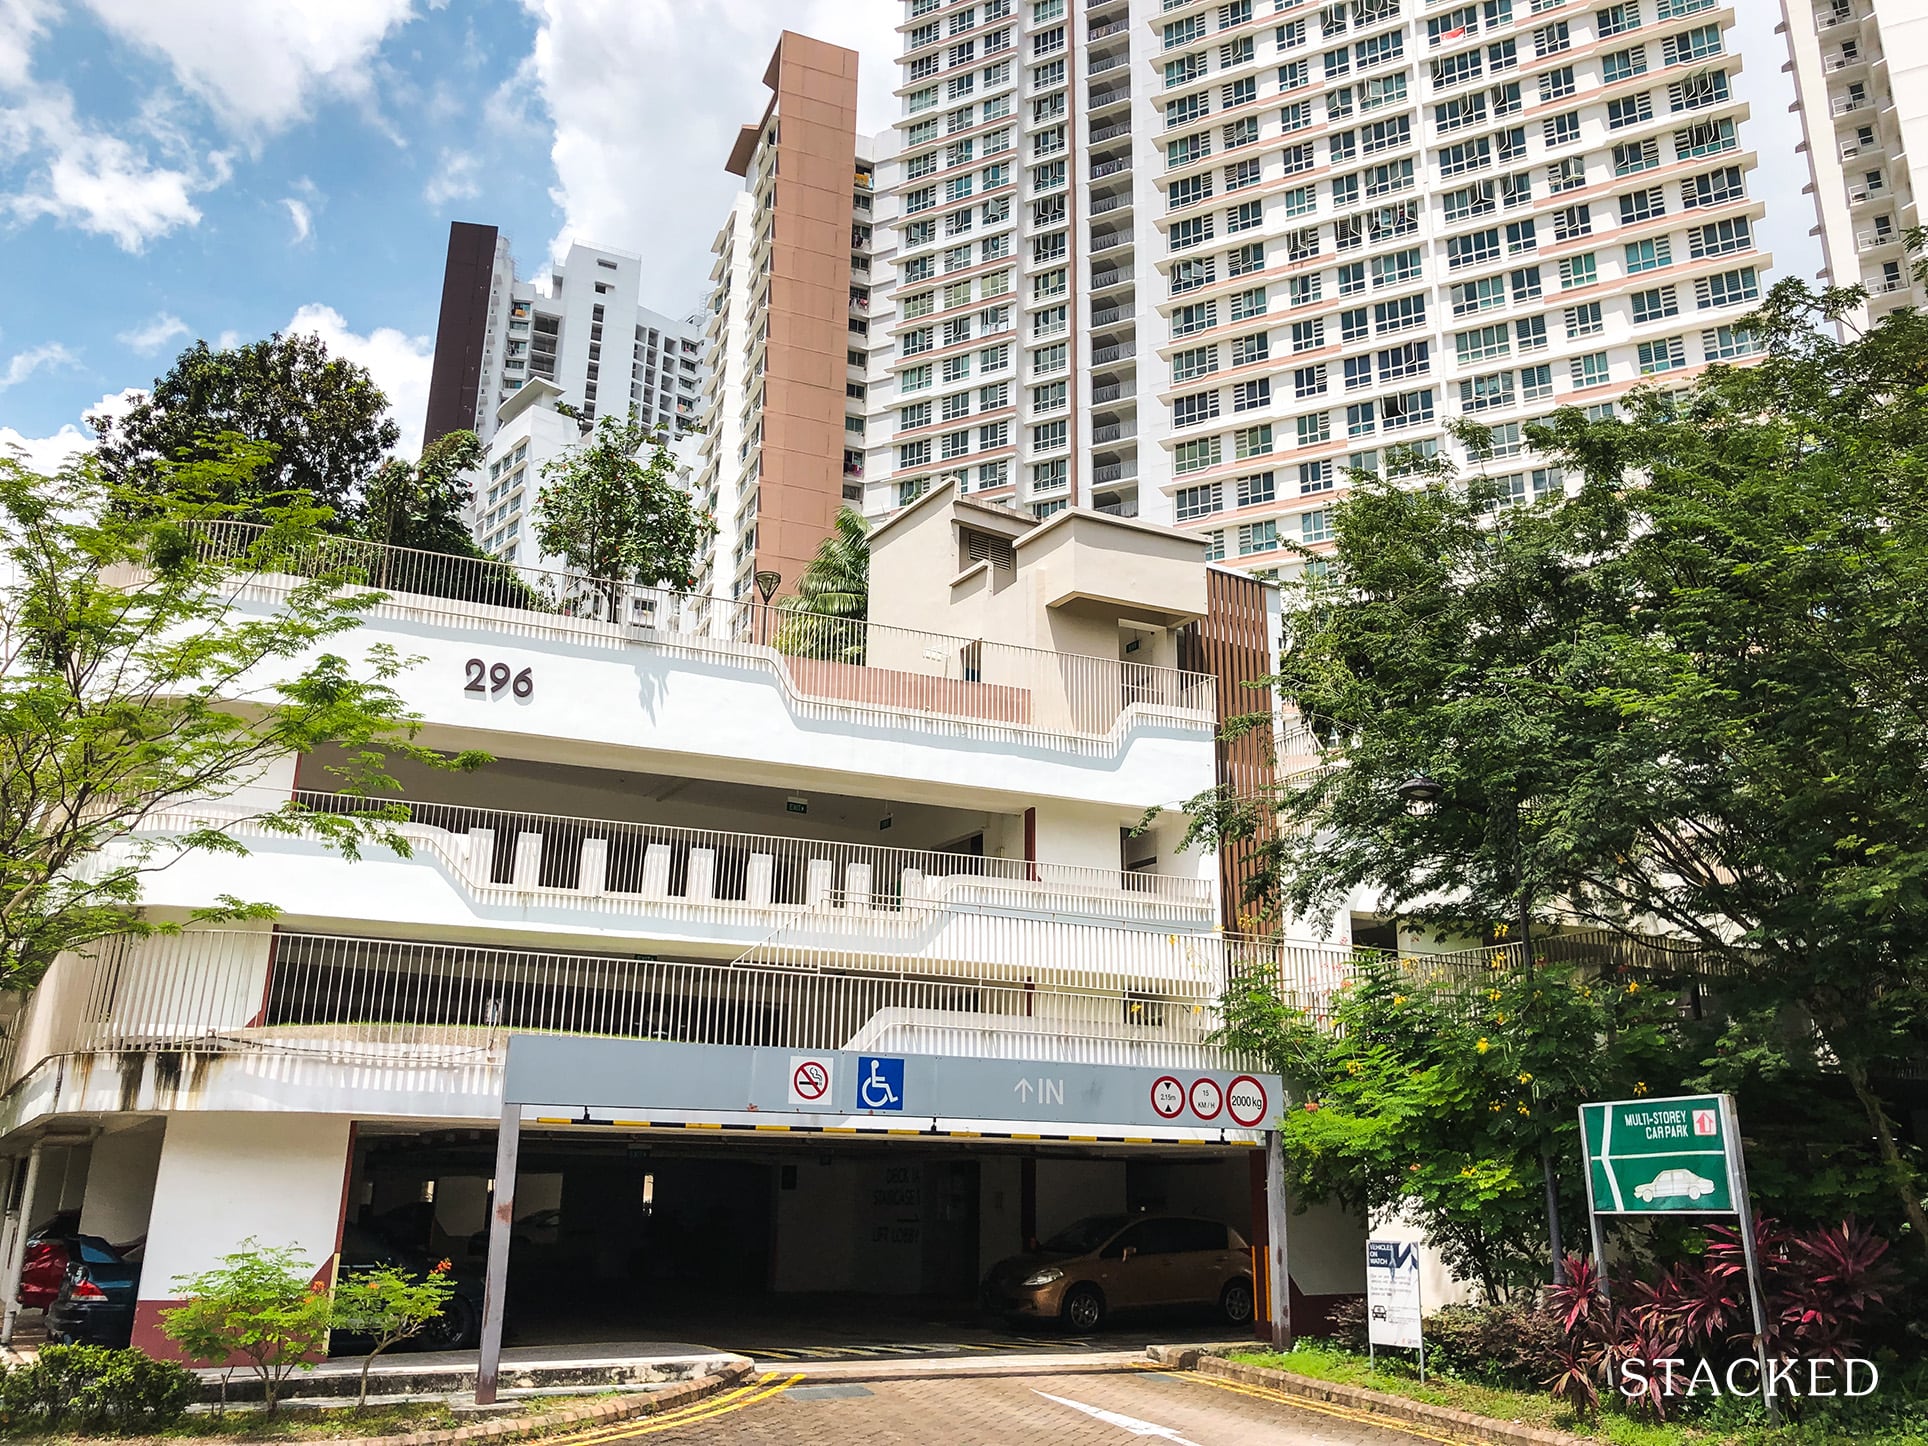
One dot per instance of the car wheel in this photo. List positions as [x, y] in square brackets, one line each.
[452, 1330]
[1235, 1302]
[1084, 1307]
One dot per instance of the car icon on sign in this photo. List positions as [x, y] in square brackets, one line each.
[1671, 1183]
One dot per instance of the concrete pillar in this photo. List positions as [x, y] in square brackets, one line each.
[700, 888]
[224, 1177]
[656, 872]
[120, 1183]
[857, 886]
[758, 879]
[592, 870]
[481, 856]
[528, 861]
[817, 880]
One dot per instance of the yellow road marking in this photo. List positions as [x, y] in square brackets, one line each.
[691, 1415]
[1346, 1413]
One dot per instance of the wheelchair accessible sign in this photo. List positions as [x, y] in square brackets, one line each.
[880, 1083]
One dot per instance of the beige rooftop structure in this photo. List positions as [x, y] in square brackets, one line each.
[1080, 582]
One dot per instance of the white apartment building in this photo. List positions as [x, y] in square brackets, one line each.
[580, 336]
[1200, 262]
[907, 842]
[1861, 74]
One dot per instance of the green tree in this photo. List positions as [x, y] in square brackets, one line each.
[1689, 695]
[133, 690]
[422, 506]
[1435, 1096]
[260, 1303]
[824, 617]
[387, 1305]
[617, 518]
[324, 418]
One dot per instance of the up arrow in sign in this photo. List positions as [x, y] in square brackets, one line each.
[1022, 1089]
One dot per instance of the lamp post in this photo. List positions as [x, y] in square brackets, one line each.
[1421, 794]
[767, 583]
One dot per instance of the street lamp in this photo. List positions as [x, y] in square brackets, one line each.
[767, 583]
[1421, 794]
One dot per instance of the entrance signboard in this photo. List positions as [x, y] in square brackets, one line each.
[1392, 1298]
[630, 1074]
[1660, 1157]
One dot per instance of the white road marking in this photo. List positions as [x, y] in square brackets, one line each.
[1126, 1423]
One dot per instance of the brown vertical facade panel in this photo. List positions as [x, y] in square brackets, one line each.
[801, 487]
[456, 375]
[1230, 644]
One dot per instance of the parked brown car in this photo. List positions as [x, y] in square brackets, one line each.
[1106, 1263]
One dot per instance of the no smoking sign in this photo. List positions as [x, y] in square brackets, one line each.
[810, 1077]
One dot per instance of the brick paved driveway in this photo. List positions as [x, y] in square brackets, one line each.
[1114, 1409]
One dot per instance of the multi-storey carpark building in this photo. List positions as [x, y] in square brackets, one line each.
[1861, 74]
[921, 838]
[1293, 236]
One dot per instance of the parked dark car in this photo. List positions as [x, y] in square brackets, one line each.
[95, 1303]
[1106, 1263]
[364, 1247]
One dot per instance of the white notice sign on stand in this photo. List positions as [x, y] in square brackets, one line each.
[1392, 1294]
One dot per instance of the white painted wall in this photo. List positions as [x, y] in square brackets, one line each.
[226, 1176]
[120, 1182]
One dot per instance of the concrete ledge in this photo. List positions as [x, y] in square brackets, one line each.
[424, 1377]
[1379, 1403]
[623, 1408]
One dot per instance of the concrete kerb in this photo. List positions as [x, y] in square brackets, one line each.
[1358, 1398]
[602, 1412]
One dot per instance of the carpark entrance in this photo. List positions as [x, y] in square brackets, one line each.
[899, 1148]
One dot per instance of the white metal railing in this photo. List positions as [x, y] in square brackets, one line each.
[384, 1001]
[836, 666]
[632, 867]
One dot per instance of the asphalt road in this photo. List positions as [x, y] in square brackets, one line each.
[1111, 1409]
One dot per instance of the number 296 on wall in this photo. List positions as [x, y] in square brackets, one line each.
[493, 678]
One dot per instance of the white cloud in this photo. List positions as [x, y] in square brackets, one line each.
[300, 217]
[154, 333]
[647, 96]
[21, 22]
[45, 454]
[260, 65]
[95, 181]
[399, 363]
[24, 364]
[454, 179]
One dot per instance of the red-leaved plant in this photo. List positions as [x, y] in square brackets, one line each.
[1823, 1289]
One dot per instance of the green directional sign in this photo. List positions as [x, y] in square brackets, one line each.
[1661, 1157]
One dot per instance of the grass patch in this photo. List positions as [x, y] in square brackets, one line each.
[1398, 1376]
[300, 1423]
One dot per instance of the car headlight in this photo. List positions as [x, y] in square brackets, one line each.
[1045, 1276]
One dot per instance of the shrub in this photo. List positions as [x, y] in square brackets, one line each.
[259, 1304]
[94, 1390]
[389, 1306]
[1498, 1345]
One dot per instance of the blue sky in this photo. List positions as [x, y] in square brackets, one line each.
[171, 169]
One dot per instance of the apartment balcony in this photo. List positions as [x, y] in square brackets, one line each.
[1102, 241]
[1103, 100]
[1113, 432]
[1876, 240]
[1107, 473]
[1105, 64]
[1850, 104]
[1830, 17]
[1108, 277]
[1105, 205]
[1106, 315]
[1104, 29]
[1106, 392]
[1116, 352]
[1114, 166]
[1860, 193]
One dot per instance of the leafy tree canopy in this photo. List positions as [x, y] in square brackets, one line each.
[134, 691]
[824, 617]
[1690, 698]
[613, 510]
[323, 418]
